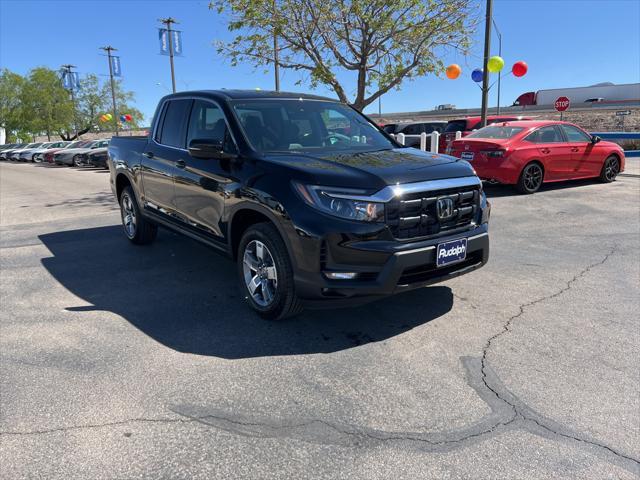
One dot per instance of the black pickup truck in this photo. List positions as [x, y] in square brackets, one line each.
[317, 204]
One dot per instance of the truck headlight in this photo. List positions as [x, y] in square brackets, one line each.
[343, 203]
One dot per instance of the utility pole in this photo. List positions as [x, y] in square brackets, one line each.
[485, 69]
[110, 49]
[500, 54]
[168, 22]
[67, 68]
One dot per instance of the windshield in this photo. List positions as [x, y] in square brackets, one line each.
[498, 132]
[74, 144]
[276, 125]
[33, 145]
[456, 125]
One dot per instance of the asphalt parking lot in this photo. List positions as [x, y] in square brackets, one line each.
[122, 362]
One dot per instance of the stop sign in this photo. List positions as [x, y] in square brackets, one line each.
[562, 104]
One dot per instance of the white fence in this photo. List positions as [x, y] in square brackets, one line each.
[401, 138]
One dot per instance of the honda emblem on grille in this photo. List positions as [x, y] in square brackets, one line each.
[444, 208]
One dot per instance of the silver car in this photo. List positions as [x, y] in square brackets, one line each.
[15, 155]
[38, 153]
[71, 156]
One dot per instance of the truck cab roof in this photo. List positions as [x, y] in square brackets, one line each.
[248, 94]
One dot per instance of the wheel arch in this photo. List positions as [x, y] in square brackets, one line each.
[243, 217]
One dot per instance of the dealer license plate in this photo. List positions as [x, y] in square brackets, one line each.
[451, 252]
[466, 155]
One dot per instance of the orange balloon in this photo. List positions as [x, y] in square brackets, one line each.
[453, 71]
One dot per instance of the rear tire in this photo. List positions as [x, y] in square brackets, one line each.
[610, 169]
[531, 178]
[266, 273]
[136, 228]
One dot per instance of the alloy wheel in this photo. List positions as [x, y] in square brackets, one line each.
[260, 273]
[128, 215]
[611, 169]
[532, 177]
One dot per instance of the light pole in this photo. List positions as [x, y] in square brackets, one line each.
[168, 22]
[67, 68]
[110, 49]
[485, 69]
[500, 54]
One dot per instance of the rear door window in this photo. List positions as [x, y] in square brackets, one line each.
[175, 122]
[415, 129]
[548, 134]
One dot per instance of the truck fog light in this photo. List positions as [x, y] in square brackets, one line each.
[340, 275]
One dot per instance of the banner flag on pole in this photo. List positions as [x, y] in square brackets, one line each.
[115, 66]
[164, 41]
[70, 80]
[176, 40]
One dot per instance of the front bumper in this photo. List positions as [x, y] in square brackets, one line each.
[393, 269]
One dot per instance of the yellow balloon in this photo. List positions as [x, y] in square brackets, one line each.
[495, 64]
[109, 116]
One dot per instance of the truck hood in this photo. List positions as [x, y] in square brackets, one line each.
[375, 169]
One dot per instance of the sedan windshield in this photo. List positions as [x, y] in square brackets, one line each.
[497, 132]
[308, 126]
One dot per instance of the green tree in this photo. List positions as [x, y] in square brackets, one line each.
[45, 104]
[377, 43]
[10, 107]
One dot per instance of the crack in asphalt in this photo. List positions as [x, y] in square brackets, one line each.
[514, 404]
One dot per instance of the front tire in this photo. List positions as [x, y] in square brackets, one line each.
[610, 169]
[530, 179]
[266, 273]
[76, 161]
[136, 228]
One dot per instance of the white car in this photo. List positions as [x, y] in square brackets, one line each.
[38, 154]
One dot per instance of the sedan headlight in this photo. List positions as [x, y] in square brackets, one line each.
[343, 203]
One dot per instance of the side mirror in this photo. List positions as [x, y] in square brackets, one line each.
[208, 148]
[595, 139]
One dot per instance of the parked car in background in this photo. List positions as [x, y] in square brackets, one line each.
[27, 154]
[468, 125]
[39, 153]
[4, 154]
[416, 128]
[529, 153]
[6, 148]
[71, 156]
[446, 106]
[96, 157]
[15, 154]
[49, 154]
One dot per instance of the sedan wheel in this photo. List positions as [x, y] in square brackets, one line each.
[610, 169]
[76, 161]
[530, 179]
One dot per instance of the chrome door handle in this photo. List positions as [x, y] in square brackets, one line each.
[545, 150]
[180, 163]
[148, 154]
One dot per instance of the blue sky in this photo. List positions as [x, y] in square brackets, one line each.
[565, 43]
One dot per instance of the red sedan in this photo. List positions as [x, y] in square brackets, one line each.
[528, 153]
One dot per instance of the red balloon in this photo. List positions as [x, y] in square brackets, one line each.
[520, 68]
[128, 117]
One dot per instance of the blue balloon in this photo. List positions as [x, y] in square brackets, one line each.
[123, 118]
[477, 75]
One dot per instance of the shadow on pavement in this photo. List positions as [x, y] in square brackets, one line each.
[185, 296]
[496, 190]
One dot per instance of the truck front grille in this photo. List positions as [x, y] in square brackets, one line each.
[415, 215]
